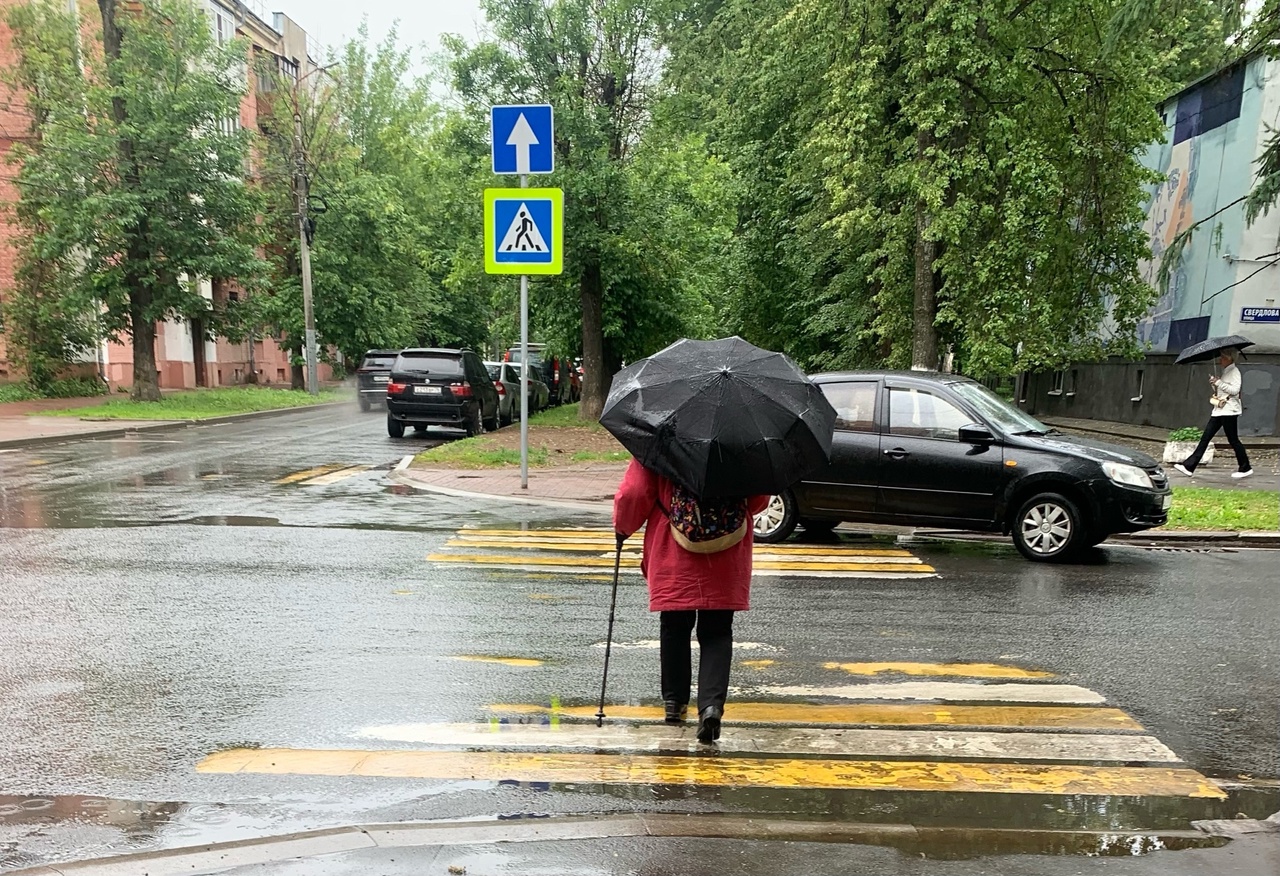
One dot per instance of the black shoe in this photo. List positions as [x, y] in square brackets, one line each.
[709, 724]
[676, 711]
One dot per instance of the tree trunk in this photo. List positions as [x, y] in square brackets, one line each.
[297, 371]
[142, 331]
[924, 331]
[595, 382]
[142, 327]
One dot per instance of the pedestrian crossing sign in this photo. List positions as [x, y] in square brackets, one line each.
[523, 231]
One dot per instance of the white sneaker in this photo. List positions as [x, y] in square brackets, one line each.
[1184, 470]
[1241, 474]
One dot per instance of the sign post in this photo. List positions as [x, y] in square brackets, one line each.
[523, 228]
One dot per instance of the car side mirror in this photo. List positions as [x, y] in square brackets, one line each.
[975, 434]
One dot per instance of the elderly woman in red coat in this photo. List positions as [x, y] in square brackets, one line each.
[690, 590]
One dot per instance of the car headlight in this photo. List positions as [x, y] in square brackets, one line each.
[1129, 475]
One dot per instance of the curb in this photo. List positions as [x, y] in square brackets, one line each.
[1221, 538]
[160, 426]
[401, 476]
[220, 857]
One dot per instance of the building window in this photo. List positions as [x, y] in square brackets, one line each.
[1138, 397]
[1210, 105]
[223, 23]
[1073, 384]
[1059, 377]
[1185, 332]
[289, 69]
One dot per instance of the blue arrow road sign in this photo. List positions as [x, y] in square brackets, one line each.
[522, 139]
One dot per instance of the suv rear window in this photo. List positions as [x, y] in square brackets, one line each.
[430, 363]
[378, 362]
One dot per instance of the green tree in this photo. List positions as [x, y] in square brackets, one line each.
[144, 175]
[46, 328]
[931, 175]
[644, 210]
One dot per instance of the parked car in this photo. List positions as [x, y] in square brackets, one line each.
[506, 377]
[433, 387]
[925, 449]
[372, 377]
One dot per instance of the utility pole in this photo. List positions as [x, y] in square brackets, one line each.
[308, 314]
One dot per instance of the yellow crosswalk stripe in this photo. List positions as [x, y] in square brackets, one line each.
[608, 545]
[872, 715]
[721, 771]
[961, 670]
[340, 475]
[631, 562]
[310, 473]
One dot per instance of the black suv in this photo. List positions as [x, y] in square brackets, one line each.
[923, 449]
[430, 387]
[372, 377]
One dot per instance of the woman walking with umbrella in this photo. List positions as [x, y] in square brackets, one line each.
[690, 589]
[715, 428]
[1227, 407]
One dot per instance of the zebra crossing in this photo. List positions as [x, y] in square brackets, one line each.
[591, 552]
[1031, 736]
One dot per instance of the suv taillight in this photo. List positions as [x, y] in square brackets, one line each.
[502, 389]
[461, 390]
[396, 388]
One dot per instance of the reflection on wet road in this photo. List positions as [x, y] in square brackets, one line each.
[252, 620]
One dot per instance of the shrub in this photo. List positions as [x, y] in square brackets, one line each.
[1186, 433]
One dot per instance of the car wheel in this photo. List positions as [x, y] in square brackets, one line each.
[491, 424]
[474, 425]
[1048, 527]
[505, 419]
[777, 520]
[395, 428]
[364, 404]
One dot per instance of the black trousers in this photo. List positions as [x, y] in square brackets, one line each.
[715, 639]
[1230, 425]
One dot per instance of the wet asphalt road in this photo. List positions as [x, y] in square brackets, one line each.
[164, 597]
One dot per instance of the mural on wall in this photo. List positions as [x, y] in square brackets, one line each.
[1207, 165]
[1171, 212]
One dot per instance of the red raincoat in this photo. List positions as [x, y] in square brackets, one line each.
[680, 580]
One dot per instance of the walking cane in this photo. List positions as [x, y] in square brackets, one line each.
[608, 642]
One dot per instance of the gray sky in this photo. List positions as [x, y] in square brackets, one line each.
[421, 22]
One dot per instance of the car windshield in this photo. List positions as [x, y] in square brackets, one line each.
[998, 411]
[428, 363]
[378, 362]
[494, 369]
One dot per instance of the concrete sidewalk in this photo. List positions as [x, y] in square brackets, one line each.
[703, 844]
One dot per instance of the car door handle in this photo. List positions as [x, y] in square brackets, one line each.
[897, 453]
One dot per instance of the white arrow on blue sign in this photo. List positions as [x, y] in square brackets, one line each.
[523, 139]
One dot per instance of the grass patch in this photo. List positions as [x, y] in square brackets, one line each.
[564, 417]
[71, 387]
[479, 452]
[200, 404]
[598, 456]
[1209, 508]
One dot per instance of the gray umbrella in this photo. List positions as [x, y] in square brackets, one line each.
[723, 418]
[1210, 349]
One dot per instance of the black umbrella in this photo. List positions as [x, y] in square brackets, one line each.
[1210, 349]
[723, 418]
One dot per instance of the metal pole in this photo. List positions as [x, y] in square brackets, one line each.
[308, 314]
[524, 369]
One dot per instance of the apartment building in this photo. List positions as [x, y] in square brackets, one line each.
[184, 357]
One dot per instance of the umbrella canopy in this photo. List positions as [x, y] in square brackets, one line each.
[723, 418]
[1206, 350]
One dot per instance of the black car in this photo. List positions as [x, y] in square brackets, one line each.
[924, 449]
[372, 377]
[430, 387]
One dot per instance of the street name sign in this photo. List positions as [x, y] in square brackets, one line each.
[523, 139]
[523, 231]
[1260, 314]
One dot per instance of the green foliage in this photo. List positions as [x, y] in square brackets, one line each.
[16, 392]
[134, 187]
[1186, 433]
[1001, 139]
